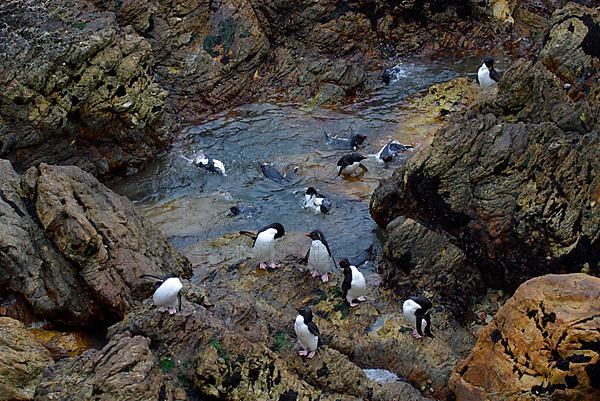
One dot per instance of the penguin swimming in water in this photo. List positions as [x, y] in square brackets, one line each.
[264, 243]
[349, 163]
[315, 201]
[346, 143]
[273, 174]
[212, 165]
[391, 149]
[487, 75]
[168, 295]
[416, 310]
[354, 285]
[307, 333]
[319, 259]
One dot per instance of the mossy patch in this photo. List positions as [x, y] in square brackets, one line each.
[281, 341]
[216, 344]
[222, 43]
[166, 365]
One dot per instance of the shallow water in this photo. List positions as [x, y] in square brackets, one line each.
[190, 205]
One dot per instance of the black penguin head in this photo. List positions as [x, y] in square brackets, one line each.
[234, 210]
[386, 76]
[345, 264]
[357, 140]
[489, 62]
[316, 235]
[310, 191]
[279, 228]
[306, 313]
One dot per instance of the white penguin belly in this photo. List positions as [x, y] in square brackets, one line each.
[358, 286]
[408, 310]
[264, 247]
[308, 340]
[319, 259]
[166, 294]
[351, 168]
[484, 78]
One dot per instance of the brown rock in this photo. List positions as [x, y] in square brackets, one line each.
[76, 250]
[22, 359]
[125, 369]
[542, 343]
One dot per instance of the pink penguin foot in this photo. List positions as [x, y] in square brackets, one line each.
[361, 299]
[172, 311]
[273, 265]
[325, 278]
[303, 353]
[262, 265]
[162, 309]
[416, 335]
[311, 355]
[314, 273]
[352, 304]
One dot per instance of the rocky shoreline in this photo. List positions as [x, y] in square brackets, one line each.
[496, 221]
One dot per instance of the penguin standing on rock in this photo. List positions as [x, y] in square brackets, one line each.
[168, 295]
[487, 75]
[354, 285]
[315, 201]
[307, 333]
[416, 310]
[319, 259]
[264, 243]
[349, 163]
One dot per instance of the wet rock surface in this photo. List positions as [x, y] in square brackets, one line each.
[106, 82]
[542, 343]
[22, 360]
[74, 249]
[512, 183]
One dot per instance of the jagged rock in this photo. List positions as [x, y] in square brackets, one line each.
[125, 369]
[248, 345]
[512, 182]
[22, 359]
[76, 89]
[542, 344]
[416, 260]
[74, 249]
[572, 50]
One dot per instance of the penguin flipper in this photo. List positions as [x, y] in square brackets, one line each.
[179, 301]
[365, 169]
[419, 317]
[477, 79]
[346, 284]
[312, 327]
[305, 260]
[494, 75]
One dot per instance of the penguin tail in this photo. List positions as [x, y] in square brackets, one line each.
[248, 234]
[152, 276]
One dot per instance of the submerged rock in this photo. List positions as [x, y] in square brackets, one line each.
[74, 249]
[544, 342]
[22, 359]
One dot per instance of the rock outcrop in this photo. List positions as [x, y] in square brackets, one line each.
[544, 343]
[245, 345]
[74, 249]
[514, 182]
[76, 88]
[125, 369]
[22, 360]
[416, 260]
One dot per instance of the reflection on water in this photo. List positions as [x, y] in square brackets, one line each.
[190, 205]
